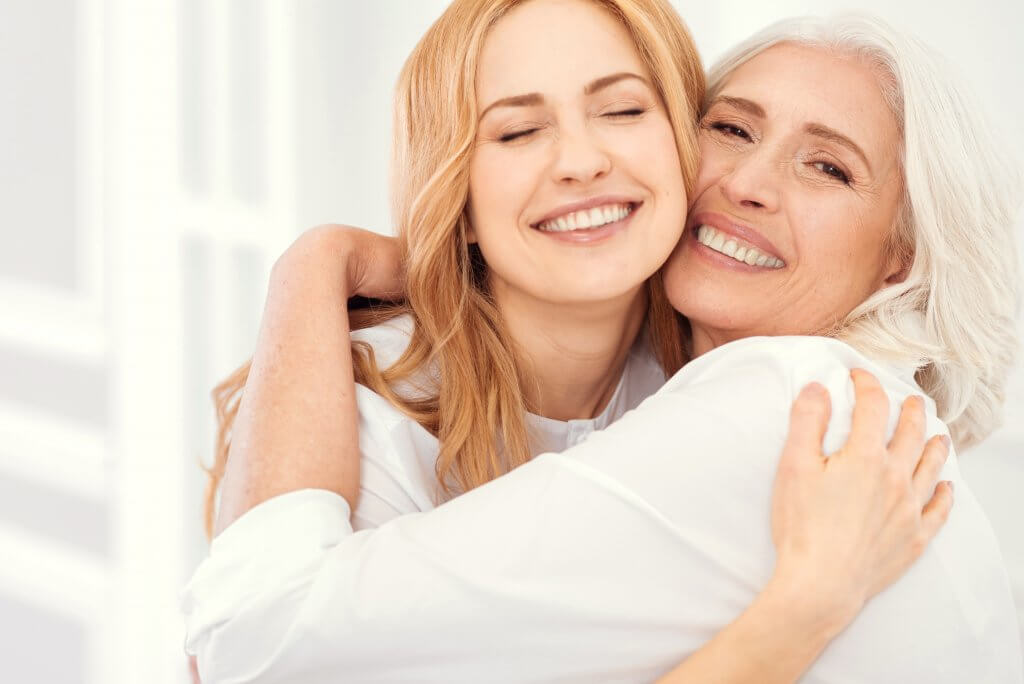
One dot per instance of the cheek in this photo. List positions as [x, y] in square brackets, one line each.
[662, 141]
[495, 194]
[842, 248]
[713, 165]
[673, 275]
[645, 151]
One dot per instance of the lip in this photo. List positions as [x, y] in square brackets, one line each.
[587, 204]
[590, 236]
[724, 224]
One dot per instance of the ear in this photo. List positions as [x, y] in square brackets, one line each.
[900, 256]
[898, 268]
[898, 276]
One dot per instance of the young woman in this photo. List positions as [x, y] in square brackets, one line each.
[531, 327]
[888, 266]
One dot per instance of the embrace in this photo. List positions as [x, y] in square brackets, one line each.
[664, 376]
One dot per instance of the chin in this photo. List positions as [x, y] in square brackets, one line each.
[584, 296]
[709, 306]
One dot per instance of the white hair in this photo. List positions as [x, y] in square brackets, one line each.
[954, 316]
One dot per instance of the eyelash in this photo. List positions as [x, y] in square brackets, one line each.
[838, 174]
[515, 135]
[509, 137]
[729, 129]
[635, 111]
[828, 168]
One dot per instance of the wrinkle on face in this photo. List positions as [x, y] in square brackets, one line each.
[770, 141]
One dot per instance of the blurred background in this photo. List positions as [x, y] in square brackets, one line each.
[155, 158]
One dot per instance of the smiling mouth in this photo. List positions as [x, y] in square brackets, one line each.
[588, 219]
[735, 248]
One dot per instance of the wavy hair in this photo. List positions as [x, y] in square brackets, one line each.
[954, 316]
[478, 411]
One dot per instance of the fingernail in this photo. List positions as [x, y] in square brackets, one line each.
[814, 389]
[947, 441]
[950, 483]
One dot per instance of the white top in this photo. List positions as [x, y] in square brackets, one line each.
[610, 562]
[398, 473]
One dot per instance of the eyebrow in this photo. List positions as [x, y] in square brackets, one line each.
[815, 129]
[533, 99]
[832, 135]
[742, 103]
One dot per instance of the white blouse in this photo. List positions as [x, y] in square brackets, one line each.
[398, 473]
[610, 562]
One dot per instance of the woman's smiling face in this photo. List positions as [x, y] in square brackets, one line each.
[796, 199]
[575, 193]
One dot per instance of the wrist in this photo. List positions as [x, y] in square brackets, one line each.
[818, 609]
[326, 257]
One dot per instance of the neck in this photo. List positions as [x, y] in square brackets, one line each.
[703, 340]
[573, 354]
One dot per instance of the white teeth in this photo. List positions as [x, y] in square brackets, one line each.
[587, 218]
[716, 240]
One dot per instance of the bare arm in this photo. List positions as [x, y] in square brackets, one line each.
[775, 640]
[296, 424]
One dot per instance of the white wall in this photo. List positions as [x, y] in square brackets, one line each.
[154, 158]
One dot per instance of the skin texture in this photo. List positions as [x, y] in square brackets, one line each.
[766, 171]
[570, 146]
[846, 525]
[573, 306]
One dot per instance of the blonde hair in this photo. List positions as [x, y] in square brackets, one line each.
[954, 316]
[478, 411]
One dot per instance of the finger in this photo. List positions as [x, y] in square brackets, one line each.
[907, 443]
[936, 511]
[808, 422]
[870, 416]
[936, 451]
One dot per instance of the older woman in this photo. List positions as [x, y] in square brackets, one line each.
[828, 232]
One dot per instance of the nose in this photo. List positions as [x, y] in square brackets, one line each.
[579, 157]
[752, 180]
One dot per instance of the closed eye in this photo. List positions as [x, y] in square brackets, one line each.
[635, 111]
[516, 135]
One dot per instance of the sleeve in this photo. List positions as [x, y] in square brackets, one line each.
[498, 585]
[600, 564]
[268, 551]
[610, 562]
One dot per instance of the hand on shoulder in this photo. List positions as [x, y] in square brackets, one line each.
[848, 524]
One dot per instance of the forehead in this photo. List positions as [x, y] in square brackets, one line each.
[547, 46]
[798, 84]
